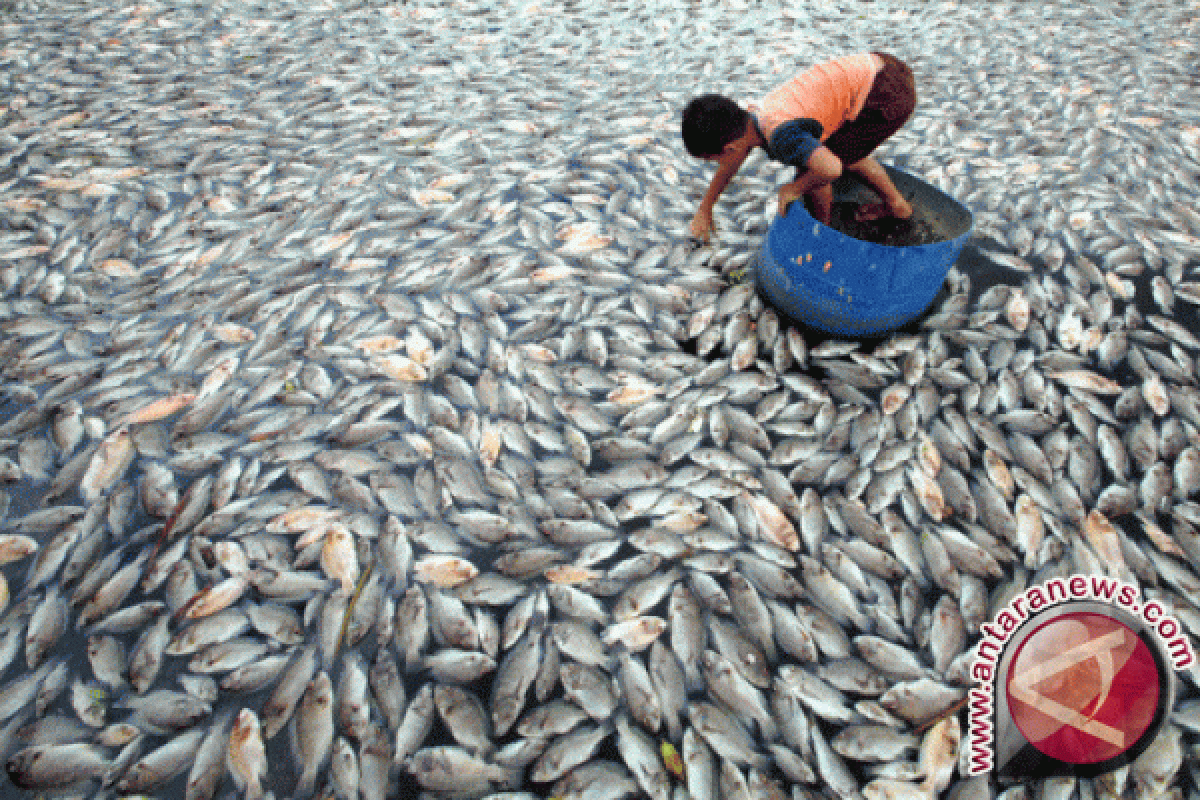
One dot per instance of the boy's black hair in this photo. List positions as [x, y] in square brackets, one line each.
[710, 122]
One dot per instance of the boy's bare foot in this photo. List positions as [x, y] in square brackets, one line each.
[869, 212]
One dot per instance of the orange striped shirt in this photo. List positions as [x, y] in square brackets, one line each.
[831, 93]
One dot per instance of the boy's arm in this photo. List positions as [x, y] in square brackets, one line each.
[730, 163]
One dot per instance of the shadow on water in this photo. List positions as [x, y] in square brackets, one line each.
[982, 272]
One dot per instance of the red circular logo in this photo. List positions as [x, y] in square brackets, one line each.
[1083, 688]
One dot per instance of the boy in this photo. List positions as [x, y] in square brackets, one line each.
[827, 118]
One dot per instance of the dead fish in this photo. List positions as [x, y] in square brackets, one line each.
[55, 766]
[159, 766]
[108, 465]
[208, 766]
[48, 623]
[313, 730]
[245, 756]
[454, 769]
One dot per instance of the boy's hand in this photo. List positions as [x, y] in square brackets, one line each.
[702, 225]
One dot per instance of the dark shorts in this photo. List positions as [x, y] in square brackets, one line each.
[889, 104]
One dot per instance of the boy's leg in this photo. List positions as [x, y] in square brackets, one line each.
[820, 202]
[804, 186]
[893, 204]
[823, 169]
[888, 106]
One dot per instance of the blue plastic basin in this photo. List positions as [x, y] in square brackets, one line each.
[848, 287]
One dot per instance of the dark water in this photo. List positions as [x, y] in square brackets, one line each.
[914, 231]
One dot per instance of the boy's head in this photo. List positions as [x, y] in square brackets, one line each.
[710, 122]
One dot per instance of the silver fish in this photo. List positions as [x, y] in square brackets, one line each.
[54, 766]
